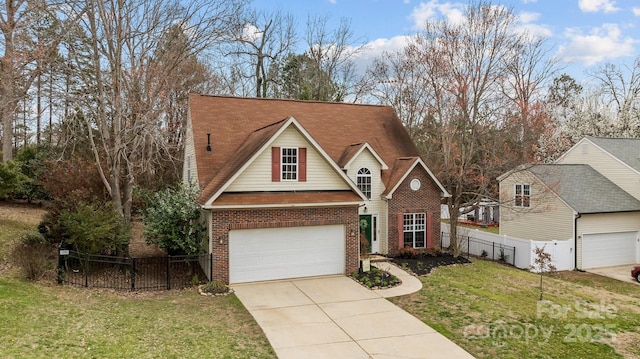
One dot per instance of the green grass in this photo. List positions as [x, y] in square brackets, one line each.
[492, 311]
[45, 320]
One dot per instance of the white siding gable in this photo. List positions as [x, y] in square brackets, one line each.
[375, 206]
[320, 175]
[585, 152]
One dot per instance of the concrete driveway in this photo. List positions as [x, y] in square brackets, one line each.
[335, 317]
[622, 273]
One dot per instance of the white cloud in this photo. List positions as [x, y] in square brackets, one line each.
[250, 32]
[376, 48]
[529, 1]
[451, 11]
[636, 11]
[525, 24]
[598, 5]
[333, 1]
[601, 44]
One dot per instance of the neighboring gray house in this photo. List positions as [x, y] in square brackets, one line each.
[590, 195]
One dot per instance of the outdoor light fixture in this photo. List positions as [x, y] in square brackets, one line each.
[208, 142]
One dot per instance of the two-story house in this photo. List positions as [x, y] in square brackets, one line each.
[590, 195]
[289, 187]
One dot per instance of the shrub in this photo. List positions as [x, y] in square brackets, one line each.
[32, 165]
[87, 228]
[34, 256]
[408, 253]
[74, 181]
[11, 179]
[214, 287]
[172, 221]
[376, 278]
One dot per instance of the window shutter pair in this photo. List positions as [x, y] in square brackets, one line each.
[276, 165]
[428, 230]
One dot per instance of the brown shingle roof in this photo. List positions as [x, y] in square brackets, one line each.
[286, 198]
[238, 127]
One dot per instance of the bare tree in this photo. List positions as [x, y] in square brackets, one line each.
[333, 52]
[459, 74]
[619, 91]
[396, 79]
[31, 33]
[121, 58]
[528, 74]
[263, 41]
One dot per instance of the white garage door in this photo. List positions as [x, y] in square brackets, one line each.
[608, 249]
[280, 253]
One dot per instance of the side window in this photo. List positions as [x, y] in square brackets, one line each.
[522, 195]
[363, 181]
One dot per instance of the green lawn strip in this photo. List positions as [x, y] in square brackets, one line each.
[491, 310]
[44, 320]
[10, 234]
[40, 321]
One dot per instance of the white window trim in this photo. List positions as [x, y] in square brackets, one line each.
[368, 175]
[297, 164]
[414, 229]
[515, 195]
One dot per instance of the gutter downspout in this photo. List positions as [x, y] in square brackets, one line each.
[575, 241]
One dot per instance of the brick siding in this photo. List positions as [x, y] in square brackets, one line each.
[222, 221]
[405, 200]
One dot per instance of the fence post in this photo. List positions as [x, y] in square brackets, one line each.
[168, 272]
[133, 273]
[86, 270]
[60, 264]
[468, 246]
[514, 256]
[493, 251]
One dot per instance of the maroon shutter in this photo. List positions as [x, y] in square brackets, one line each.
[275, 164]
[302, 164]
[429, 230]
[400, 230]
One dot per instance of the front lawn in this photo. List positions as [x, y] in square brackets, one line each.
[46, 320]
[492, 311]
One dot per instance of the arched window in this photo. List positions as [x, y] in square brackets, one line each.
[363, 181]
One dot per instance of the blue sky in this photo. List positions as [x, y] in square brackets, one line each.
[583, 34]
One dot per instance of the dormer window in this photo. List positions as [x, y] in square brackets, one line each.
[288, 164]
[363, 181]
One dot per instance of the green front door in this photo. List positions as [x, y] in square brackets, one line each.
[365, 231]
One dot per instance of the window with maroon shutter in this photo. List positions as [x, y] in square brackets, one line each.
[414, 230]
[275, 164]
[288, 164]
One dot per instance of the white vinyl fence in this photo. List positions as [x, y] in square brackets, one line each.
[562, 251]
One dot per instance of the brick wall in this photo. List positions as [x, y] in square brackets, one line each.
[223, 221]
[405, 200]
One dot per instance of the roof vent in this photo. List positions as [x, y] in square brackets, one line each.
[208, 142]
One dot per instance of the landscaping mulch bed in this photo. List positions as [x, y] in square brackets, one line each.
[424, 263]
[376, 279]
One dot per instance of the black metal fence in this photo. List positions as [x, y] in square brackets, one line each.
[481, 248]
[130, 273]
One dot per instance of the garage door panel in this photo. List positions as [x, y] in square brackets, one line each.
[280, 253]
[609, 249]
